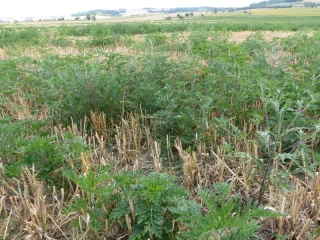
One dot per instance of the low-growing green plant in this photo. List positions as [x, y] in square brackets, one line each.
[20, 36]
[156, 39]
[13, 133]
[61, 42]
[104, 41]
[99, 186]
[151, 205]
[226, 217]
[46, 155]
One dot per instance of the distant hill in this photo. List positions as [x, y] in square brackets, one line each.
[102, 12]
[262, 4]
[283, 4]
[123, 11]
[273, 3]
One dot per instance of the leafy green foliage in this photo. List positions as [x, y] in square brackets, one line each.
[226, 218]
[99, 185]
[104, 41]
[156, 39]
[45, 154]
[13, 133]
[61, 42]
[19, 36]
[155, 197]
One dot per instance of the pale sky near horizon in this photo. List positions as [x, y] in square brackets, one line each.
[15, 8]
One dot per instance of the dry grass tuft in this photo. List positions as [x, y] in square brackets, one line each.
[154, 148]
[38, 53]
[129, 142]
[29, 212]
[65, 51]
[99, 123]
[177, 56]
[32, 52]
[191, 169]
[125, 50]
[239, 37]
[3, 54]
[301, 205]
[21, 108]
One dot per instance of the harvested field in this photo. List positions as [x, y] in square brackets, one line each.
[116, 130]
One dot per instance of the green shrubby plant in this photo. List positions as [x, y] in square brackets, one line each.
[13, 133]
[154, 200]
[12, 36]
[99, 185]
[75, 91]
[156, 39]
[46, 156]
[60, 42]
[226, 217]
[149, 201]
[104, 41]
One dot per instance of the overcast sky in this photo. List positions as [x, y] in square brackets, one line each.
[12, 8]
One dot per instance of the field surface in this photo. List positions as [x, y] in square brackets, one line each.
[287, 12]
[205, 127]
[203, 16]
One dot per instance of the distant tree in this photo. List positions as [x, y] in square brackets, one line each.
[191, 14]
[88, 16]
[168, 18]
[202, 15]
[94, 18]
[178, 15]
[187, 14]
[77, 18]
[310, 4]
[216, 10]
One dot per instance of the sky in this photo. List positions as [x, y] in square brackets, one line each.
[19, 8]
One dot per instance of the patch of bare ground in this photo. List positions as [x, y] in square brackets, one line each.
[118, 49]
[239, 37]
[64, 51]
[177, 56]
[139, 37]
[3, 54]
[38, 53]
[172, 55]
[125, 50]
[82, 38]
[269, 36]
[32, 52]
